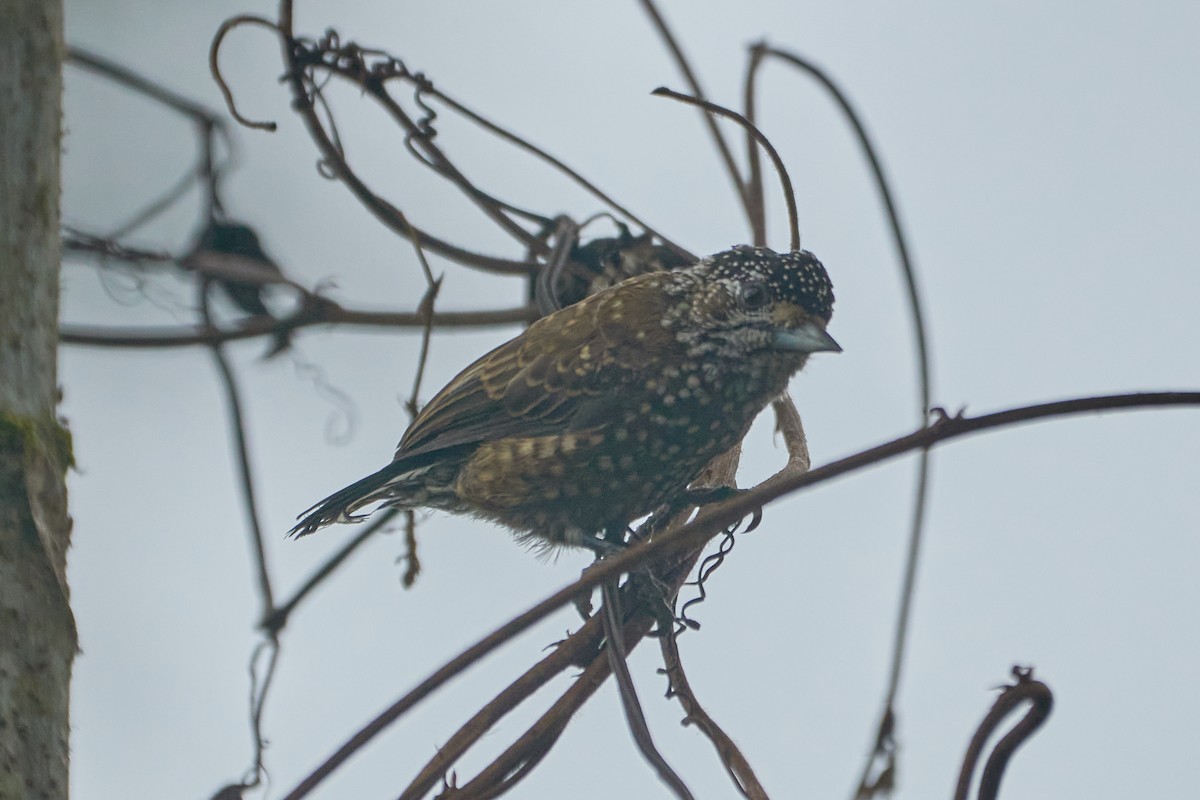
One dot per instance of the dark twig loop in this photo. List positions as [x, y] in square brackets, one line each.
[214, 67]
[1023, 689]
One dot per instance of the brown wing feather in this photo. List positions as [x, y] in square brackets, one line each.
[533, 384]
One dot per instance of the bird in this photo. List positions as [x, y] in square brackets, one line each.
[606, 410]
[230, 254]
[601, 263]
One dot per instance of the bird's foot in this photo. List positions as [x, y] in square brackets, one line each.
[698, 497]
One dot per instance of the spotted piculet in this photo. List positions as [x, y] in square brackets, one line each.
[602, 412]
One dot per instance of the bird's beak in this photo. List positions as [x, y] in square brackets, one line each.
[808, 338]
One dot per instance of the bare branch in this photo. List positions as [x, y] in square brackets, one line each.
[444, 166]
[259, 688]
[433, 286]
[245, 474]
[693, 83]
[644, 590]
[614, 649]
[329, 314]
[304, 103]
[86, 244]
[141, 84]
[347, 63]
[882, 759]
[679, 541]
[580, 647]
[279, 616]
[735, 763]
[559, 165]
[519, 759]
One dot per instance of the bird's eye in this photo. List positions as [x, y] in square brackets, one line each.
[754, 295]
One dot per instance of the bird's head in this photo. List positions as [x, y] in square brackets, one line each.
[752, 300]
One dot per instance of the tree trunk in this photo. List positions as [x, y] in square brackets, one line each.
[37, 631]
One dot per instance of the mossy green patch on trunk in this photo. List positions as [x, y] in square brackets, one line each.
[35, 436]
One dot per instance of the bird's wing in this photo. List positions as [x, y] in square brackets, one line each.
[565, 367]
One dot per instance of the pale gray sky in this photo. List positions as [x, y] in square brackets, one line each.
[1047, 161]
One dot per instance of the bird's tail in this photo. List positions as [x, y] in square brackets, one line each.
[341, 505]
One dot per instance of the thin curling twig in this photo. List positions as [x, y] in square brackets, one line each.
[413, 404]
[297, 60]
[432, 287]
[359, 66]
[260, 687]
[1041, 701]
[215, 68]
[436, 159]
[788, 194]
[711, 563]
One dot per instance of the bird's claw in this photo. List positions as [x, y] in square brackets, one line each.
[719, 494]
